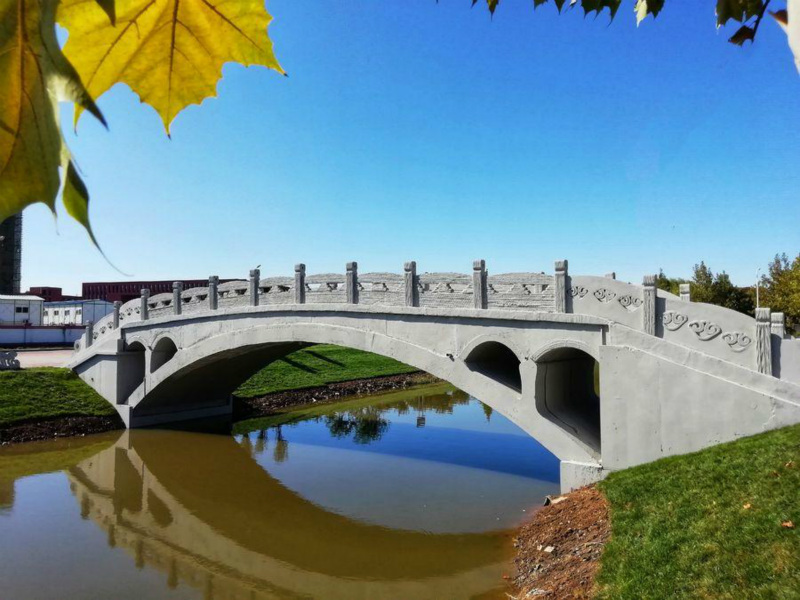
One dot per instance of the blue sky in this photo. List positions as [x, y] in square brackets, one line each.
[410, 129]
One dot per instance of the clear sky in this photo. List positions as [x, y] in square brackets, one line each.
[411, 129]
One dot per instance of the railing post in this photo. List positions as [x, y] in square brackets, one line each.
[177, 297]
[410, 281]
[778, 324]
[686, 292]
[649, 304]
[115, 321]
[213, 299]
[144, 309]
[763, 341]
[562, 271]
[89, 333]
[300, 283]
[352, 282]
[480, 290]
[255, 279]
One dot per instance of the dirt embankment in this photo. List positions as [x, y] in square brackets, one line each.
[57, 428]
[332, 392]
[559, 549]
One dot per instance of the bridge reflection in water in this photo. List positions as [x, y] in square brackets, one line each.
[203, 511]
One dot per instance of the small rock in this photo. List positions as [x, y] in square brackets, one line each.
[550, 549]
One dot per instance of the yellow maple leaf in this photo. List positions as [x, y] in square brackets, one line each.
[170, 52]
[34, 76]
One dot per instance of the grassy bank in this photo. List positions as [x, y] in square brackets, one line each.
[45, 394]
[317, 366]
[714, 524]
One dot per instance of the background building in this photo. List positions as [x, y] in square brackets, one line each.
[75, 312]
[20, 310]
[50, 294]
[11, 255]
[111, 291]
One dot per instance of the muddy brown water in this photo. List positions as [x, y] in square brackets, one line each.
[413, 494]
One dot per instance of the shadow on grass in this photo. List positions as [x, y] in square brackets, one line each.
[297, 365]
[327, 359]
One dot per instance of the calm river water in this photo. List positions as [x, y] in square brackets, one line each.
[404, 495]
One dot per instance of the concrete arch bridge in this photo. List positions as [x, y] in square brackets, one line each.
[675, 376]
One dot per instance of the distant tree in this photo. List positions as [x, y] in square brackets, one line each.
[781, 289]
[702, 284]
[669, 284]
[730, 296]
[718, 289]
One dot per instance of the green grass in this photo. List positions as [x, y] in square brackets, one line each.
[317, 366]
[680, 528]
[47, 393]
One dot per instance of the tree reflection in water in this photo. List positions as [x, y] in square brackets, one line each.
[364, 424]
[367, 424]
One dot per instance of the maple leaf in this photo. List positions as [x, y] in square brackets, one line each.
[34, 76]
[169, 52]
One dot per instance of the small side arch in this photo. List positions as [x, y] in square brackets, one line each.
[496, 360]
[163, 351]
[567, 390]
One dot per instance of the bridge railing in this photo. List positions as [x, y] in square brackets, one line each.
[713, 330]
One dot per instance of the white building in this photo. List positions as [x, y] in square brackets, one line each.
[20, 310]
[75, 312]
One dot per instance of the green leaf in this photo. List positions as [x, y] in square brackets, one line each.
[738, 10]
[744, 33]
[76, 199]
[597, 6]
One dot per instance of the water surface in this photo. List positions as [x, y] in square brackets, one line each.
[404, 495]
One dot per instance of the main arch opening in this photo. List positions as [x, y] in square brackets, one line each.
[568, 394]
[164, 350]
[496, 361]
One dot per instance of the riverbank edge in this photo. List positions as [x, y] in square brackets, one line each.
[243, 408]
[58, 427]
[275, 402]
[558, 550]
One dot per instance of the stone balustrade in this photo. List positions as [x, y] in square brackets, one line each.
[711, 329]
